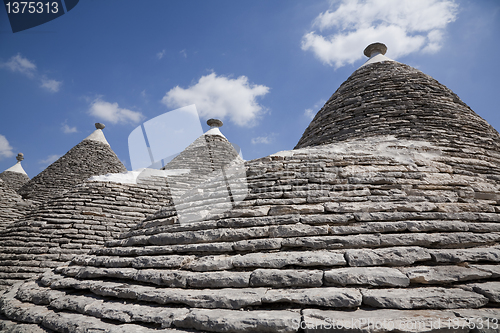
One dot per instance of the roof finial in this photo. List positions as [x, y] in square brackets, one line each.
[20, 157]
[374, 49]
[214, 123]
[99, 126]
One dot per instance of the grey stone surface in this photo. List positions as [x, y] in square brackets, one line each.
[286, 278]
[443, 274]
[329, 297]
[395, 256]
[488, 289]
[373, 276]
[422, 298]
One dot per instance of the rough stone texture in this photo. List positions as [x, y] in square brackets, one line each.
[86, 159]
[12, 206]
[423, 298]
[15, 180]
[391, 97]
[373, 276]
[396, 214]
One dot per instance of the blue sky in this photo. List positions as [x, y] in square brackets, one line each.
[264, 67]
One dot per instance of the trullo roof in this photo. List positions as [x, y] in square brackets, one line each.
[91, 157]
[382, 219]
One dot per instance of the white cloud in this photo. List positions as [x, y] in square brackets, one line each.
[5, 148]
[184, 54]
[221, 97]
[20, 64]
[404, 26]
[67, 129]
[51, 85]
[113, 113]
[143, 93]
[311, 112]
[262, 140]
[160, 55]
[50, 159]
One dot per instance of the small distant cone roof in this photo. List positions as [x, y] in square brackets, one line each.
[15, 176]
[10, 205]
[210, 152]
[385, 97]
[91, 157]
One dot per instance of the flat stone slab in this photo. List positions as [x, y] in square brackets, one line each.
[329, 297]
[393, 256]
[286, 278]
[375, 321]
[373, 276]
[422, 298]
[488, 289]
[443, 274]
[241, 321]
[282, 259]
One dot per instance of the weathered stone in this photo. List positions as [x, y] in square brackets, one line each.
[383, 320]
[330, 297]
[283, 259]
[422, 298]
[373, 276]
[219, 280]
[462, 255]
[395, 256]
[443, 274]
[286, 278]
[240, 321]
[488, 289]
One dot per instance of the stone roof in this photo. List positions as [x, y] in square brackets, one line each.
[91, 157]
[12, 206]
[15, 177]
[365, 230]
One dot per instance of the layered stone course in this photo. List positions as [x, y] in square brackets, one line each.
[15, 180]
[12, 206]
[371, 229]
[88, 158]
[393, 98]
[74, 223]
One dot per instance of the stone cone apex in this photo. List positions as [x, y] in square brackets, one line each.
[391, 98]
[91, 157]
[15, 177]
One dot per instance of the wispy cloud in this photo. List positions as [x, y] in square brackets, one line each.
[262, 140]
[404, 26]
[113, 113]
[5, 148]
[183, 53]
[49, 160]
[68, 130]
[311, 112]
[22, 65]
[221, 97]
[51, 85]
[160, 55]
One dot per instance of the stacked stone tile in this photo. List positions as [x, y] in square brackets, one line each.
[369, 233]
[12, 206]
[91, 157]
[15, 177]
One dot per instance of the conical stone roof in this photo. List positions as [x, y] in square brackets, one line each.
[390, 98]
[15, 177]
[363, 231]
[12, 206]
[91, 157]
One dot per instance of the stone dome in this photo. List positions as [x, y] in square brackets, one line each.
[364, 222]
[15, 177]
[12, 206]
[91, 157]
